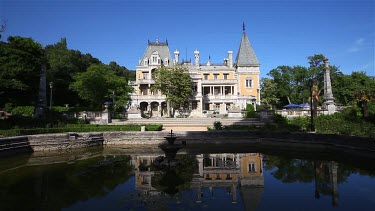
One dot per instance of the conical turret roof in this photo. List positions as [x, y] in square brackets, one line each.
[246, 55]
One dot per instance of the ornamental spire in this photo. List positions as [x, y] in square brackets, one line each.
[243, 26]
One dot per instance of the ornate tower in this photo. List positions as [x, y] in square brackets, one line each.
[248, 70]
[328, 98]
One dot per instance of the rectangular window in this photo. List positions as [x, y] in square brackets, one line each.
[154, 59]
[249, 83]
[226, 76]
[251, 168]
[205, 76]
[145, 75]
[216, 76]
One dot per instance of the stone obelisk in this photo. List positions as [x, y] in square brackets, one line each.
[42, 97]
[329, 103]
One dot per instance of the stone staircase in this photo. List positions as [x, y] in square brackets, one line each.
[14, 144]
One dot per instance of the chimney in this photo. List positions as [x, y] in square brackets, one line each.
[196, 55]
[176, 54]
[230, 58]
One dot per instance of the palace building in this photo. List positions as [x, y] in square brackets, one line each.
[218, 88]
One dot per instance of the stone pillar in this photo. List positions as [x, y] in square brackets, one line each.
[106, 117]
[328, 98]
[42, 97]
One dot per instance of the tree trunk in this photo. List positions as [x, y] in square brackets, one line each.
[365, 108]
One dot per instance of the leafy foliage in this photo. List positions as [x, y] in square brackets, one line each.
[98, 84]
[21, 59]
[176, 84]
[79, 128]
[294, 82]
[218, 125]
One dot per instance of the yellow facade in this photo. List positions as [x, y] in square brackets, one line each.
[250, 90]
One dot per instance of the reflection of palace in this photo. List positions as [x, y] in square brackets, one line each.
[231, 171]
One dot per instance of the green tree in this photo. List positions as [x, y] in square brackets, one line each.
[294, 82]
[98, 84]
[21, 59]
[176, 84]
[268, 92]
[63, 63]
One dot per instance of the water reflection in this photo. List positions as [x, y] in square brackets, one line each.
[115, 180]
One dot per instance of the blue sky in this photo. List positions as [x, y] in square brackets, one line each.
[281, 32]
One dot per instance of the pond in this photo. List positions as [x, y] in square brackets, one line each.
[128, 179]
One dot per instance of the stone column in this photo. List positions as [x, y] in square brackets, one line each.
[328, 98]
[42, 97]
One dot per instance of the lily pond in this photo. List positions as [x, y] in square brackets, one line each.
[241, 179]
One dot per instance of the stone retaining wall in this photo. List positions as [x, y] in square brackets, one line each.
[196, 139]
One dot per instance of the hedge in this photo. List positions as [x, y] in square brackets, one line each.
[79, 128]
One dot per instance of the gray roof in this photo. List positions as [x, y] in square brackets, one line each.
[246, 55]
[161, 48]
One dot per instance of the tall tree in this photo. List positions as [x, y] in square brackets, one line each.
[98, 84]
[269, 92]
[295, 82]
[21, 59]
[176, 84]
[63, 63]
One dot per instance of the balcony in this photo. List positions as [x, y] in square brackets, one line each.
[148, 97]
[145, 81]
[219, 81]
[220, 97]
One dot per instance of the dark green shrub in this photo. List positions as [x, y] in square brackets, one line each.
[218, 125]
[79, 128]
[23, 111]
[251, 114]
[299, 123]
[60, 109]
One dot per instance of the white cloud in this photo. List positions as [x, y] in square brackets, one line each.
[358, 45]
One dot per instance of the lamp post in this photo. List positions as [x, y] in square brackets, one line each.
[50, 99]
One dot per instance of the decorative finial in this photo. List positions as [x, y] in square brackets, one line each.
[243, 26]
[157, 41]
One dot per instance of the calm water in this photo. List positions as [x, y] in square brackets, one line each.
[124, 179]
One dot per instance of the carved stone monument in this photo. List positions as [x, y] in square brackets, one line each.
[106, 116]
[329, 103]
[42, 96]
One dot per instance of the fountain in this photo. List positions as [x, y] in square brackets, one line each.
[170, 151]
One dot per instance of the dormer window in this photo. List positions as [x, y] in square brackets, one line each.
[155, 59]
[145, 63]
